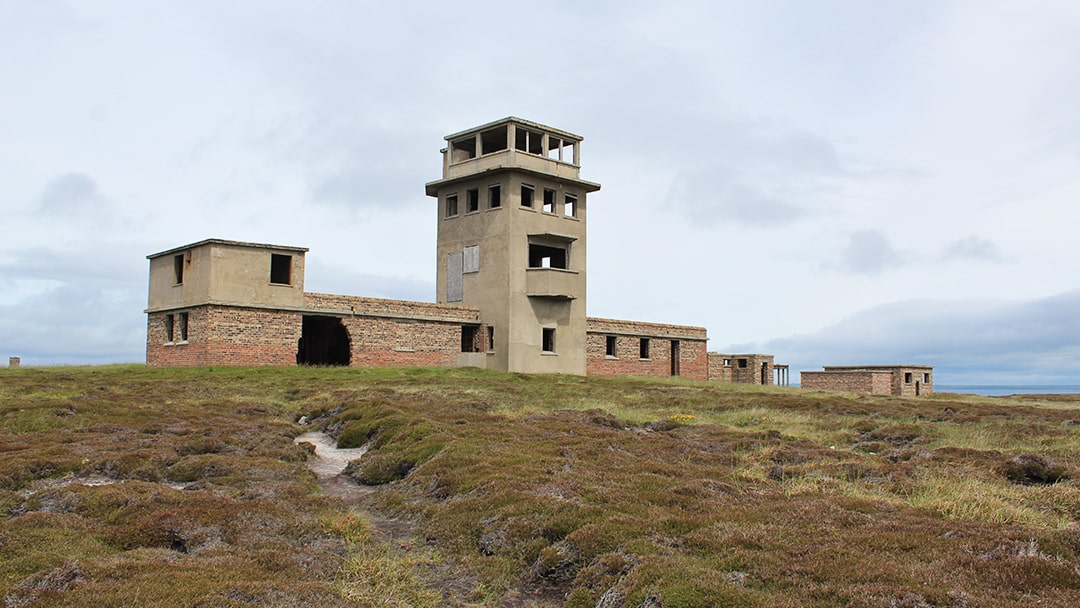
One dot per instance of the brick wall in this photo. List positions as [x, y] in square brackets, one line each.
[395, 308]
[873, 382]
[693, 361]
[741, 368]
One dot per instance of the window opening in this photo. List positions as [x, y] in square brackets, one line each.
[549, 339]
[491, 338]
[280, 269]
[643, 349]
[494, 197]
[549, 200]
[545, 256]
[675, 358]
[926, 377]
[178, 268]
[472, 200]
[529, 141]
[570, 206]
[493, 140]
[468, 339]
[742, 362]
[463, 149]
[168, 328]
[554, 148]
[610, 350]
[727, 362]
[526, 196]
[451, 205]
[907, 377]
[323, 341]
[183, 326]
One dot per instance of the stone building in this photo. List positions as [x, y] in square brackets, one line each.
[898, 380]
[510, 286]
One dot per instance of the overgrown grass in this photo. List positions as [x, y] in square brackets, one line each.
[553, 490]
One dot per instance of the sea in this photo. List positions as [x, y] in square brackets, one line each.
[996, 390]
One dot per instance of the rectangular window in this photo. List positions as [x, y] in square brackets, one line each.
[470, 261]
[926, 378]
[493, 140]
[547, 256]
[169, 328]
[727, 362]
[570, 206]
[178, 268]
[549, 339]
[463, 149]
[494, 197]
[907, 377]
[742, 362]
[280, 269]
[526, 196]
[643, 348]
[549, 201]
[610, 350]
[472, 200]
[468, 339]
[529, 141]
[491, 338]
[183, 326]
[451, 205]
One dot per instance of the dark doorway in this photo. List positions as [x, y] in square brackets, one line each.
[323, 341]
[918, 388]
[674, 357]
[765, 373]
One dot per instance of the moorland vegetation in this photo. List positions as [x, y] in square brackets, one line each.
[128, 486]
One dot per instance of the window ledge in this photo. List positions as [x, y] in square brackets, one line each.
[548, 353]
[611, 357]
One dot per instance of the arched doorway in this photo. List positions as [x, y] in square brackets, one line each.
[323, 341]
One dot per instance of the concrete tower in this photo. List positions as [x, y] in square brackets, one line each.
[511, 234]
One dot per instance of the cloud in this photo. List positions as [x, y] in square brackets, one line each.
[972, 248]
[870, 252]
[71, 193]
[980, 341]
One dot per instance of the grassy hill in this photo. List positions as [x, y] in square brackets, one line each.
[127, 486]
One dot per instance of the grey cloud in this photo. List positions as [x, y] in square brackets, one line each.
[72, 193]
[972, 248]
[869, 252]
[980, 341]
[324, 278]
[723, 195]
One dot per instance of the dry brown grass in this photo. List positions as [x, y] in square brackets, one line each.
[551, 490]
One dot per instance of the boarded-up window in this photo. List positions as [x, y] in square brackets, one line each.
[471, 259]
[453, 277]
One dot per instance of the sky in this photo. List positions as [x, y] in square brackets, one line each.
[836, 182]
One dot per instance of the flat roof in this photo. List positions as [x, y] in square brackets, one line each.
[230, 244]
[520, 121]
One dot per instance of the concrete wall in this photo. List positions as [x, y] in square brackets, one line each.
[692, 359]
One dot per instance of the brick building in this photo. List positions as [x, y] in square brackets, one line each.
[898, 380]
[510, 290]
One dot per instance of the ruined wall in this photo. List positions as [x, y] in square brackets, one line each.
[393, 308]
[855, 381]
[224, 335]
[741, 368]
[692, 360]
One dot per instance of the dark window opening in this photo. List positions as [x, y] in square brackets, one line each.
[907, 377]
[529, 141]
[463, 149]
[183, 326]
[451, 205]
[169, 324]
[643, 349]
[765, 372]
[570, 206]
[491, 339]
[549, 340]
[742, 362]
[727, 362]
[549, 201]
[526, 196]
[178, 268]
[560, 149]
[323, 341]
[675, 357]
[472, 200]
[468, 339]
[493, 140]
[494, 197]
[926, 377]
[610, 350]
[544, 256]
[280, 269]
